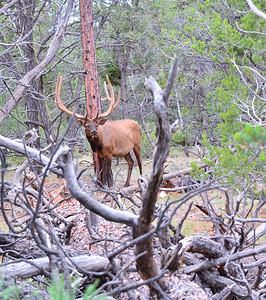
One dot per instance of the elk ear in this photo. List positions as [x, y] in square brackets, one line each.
[102, 122]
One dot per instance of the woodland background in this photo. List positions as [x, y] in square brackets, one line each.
[216, 116]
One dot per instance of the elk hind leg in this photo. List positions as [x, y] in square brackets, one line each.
[137, 154]
[130, 162]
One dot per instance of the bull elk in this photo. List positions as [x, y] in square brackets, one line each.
[108, 138]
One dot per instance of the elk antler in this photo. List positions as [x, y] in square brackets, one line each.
[62, 107]
[59, 102]
[111, 99]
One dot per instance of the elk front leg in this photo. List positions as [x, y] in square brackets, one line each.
[109, 173]
[101, 175]
[96, 161]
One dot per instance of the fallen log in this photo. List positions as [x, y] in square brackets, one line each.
[33, 267]
[136, 188]
[258, 232]
[217, 282]
[182, 172]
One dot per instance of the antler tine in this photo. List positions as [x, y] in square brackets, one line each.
[111, 99]
[59, 102]
[118, 100]
[106, 92]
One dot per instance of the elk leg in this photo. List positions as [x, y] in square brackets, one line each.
[137, 154]
[109, 172]
[101, 176]
[96, 161]
[111, 177]
[130, 162]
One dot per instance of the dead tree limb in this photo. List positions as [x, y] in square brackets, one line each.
[135, 188]
[31, 75]
[88, 202]
[33, 267]
[7, 6]
[31, 152]
[147, 266]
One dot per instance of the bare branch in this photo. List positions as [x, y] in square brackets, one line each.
[256, 10]
[29, 268]
[32, 74]
[88, 202]
[7, 6]
[26, 150]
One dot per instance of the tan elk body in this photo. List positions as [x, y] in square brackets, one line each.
[108, 138]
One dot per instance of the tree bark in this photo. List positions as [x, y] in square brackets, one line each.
[91, 79]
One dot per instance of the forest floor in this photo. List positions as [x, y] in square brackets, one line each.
[196, 223]
[108, 236]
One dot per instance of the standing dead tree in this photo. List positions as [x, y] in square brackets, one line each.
[146, 264]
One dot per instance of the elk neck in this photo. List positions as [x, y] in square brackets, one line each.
[95, 143]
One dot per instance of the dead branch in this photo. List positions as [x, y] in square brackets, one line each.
[33, 267]
[146, 264]
[7, 6]
[221, 260]
[28, 151]
[256, 11]
[88, 202]
[31, 75]
[177, 174]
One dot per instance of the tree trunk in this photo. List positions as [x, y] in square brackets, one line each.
[73, 128]
[123, 57]
[91, 80]
[26, 19]
[92, 91]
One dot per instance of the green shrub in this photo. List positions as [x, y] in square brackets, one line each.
[178, 138]
[146, 148]
[10, 290]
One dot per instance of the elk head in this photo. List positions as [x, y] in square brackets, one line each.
[90, 124]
